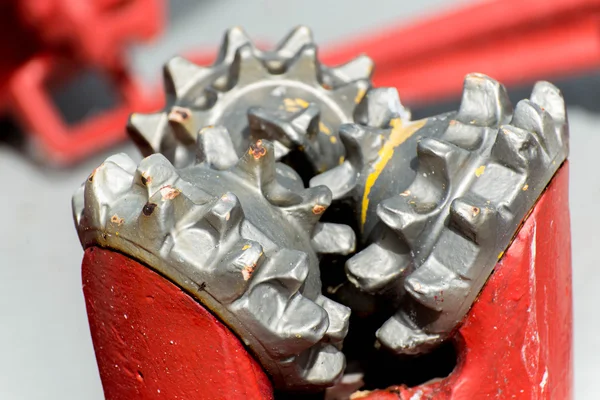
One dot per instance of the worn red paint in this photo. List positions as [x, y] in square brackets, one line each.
[516, 342]
[154, 341]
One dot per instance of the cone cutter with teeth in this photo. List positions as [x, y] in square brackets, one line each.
[239, 240]
[284, 95]
[439, 200]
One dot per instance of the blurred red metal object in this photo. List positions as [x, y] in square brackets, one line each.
[154, 341]
[44, 42]
[513, 41]
[516, 342]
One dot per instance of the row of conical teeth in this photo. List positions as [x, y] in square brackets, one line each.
[193, 90]
[200, 242]
[473, 187]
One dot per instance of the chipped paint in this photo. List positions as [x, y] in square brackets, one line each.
[323, 128]
[399, 134]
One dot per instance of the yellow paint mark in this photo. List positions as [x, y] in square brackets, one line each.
[246, 247]
[302, 103]
[332, 139]
[360, 95]
[479, 171]
[400, 133]
[323, 128]
[342, 159]
[500, 255]
[525, 187]
[290, 105]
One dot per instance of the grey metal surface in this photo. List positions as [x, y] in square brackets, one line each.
[283, 94]
[231, 238]
[47, 352]
[439, 200]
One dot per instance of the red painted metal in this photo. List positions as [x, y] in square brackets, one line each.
[154, 341]
[44, 42]
[513, 41]
[516, 342]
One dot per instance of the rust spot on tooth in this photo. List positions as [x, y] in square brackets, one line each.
[146, 180]
[257, 150]
[475, 211]
[179, 114]
[525, 187]
[169, 193]
[148, 209]
[116, 220]
[247, 271]
[318, 209]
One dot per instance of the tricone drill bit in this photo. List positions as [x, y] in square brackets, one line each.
[439, 200]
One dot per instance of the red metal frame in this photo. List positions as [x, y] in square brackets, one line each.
[513, 41]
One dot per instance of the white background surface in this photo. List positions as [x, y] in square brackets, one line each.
[45, 348]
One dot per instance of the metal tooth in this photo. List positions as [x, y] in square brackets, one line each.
[105, 186]
[439, 159]
[153, 173]
[550, 99]
[437, 287]
[329, 238]
[304, 322]
[402, 337]
[305, 66]
[341, 180]
[515, 148]
[362, 143]
[233, 39]
[406, 219]
[123, 161]
[225, 216]
[246, 67]
[234, 272]
[379, 106]
[258, 163]
[145, 132]
[215, 147]
[322, 365]
[287, 268]
[292, 131]
[288, 178]
[180, 75]
[472, 219]
[339, 320]
[315, 201]
[376, 269]
[360, 67]
[182, 124]
[532, 118]
[351, 94]
[484, 102]
[160, 214]
[294, 41]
